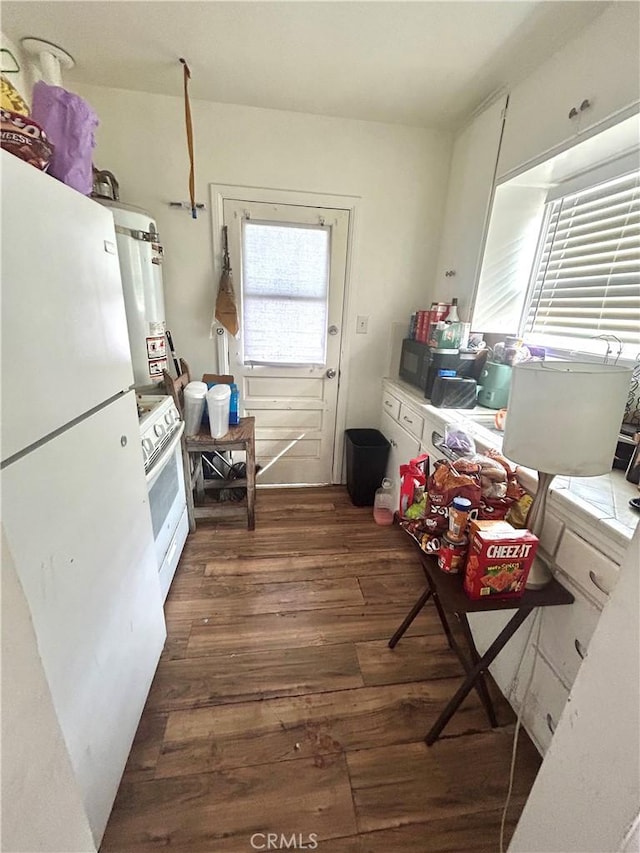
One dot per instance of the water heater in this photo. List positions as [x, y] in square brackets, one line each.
[141, 254]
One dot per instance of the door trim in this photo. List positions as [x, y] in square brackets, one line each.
[240, 192]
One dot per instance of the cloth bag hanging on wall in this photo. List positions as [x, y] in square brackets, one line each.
[226, 312]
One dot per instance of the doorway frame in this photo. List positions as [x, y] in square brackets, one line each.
[304, 198]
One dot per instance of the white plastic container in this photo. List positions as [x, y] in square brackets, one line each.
[218, 399]
[195, 395]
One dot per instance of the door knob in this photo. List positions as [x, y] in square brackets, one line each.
[330, 374]
[333, 330]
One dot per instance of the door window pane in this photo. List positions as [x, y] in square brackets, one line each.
[285, 286]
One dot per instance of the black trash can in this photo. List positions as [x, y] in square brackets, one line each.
[367, 453]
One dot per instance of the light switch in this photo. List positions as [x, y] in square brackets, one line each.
[362, 324]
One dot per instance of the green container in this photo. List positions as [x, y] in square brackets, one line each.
[495, 381]
[447, 338]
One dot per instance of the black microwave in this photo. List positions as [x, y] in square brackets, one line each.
[414, 363]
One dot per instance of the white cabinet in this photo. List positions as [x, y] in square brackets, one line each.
[566, 632]
[545, 700]
[473, 165]
[390, 405]
[403, 448]
[432, 431]
[412, 422]
[591, 570]
[600, 66]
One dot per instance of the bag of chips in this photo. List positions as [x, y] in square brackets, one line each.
[24, 137]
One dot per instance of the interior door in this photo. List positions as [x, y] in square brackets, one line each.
[289, 267]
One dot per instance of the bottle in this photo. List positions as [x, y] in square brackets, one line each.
[383, 504]
[453, 316]
[458, 518]
[234, 402]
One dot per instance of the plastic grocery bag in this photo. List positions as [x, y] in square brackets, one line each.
[69, 122]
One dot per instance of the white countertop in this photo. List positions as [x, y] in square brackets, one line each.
[599, 505]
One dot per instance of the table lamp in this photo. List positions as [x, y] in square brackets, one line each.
[563, 418]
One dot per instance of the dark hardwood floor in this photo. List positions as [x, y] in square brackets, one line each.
[278, 708]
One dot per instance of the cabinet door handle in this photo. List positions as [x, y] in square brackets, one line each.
[596, 582]
[585, 105]
[408, 420]
[573, 112]
[388, 404]
[550, 724]
[582, 652]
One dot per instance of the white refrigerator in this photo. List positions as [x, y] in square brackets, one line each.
[74, 499]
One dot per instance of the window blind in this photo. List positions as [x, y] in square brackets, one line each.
[285, 289]
[586, 277]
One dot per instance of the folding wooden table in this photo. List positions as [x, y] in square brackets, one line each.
[449, 597]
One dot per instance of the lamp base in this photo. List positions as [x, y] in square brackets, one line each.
[539, 574]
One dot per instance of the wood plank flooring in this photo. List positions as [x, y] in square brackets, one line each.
[277, 706]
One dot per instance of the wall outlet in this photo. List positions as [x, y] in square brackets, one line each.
[362, 324]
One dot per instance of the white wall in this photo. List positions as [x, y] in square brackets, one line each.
[41, 804]
[585, 797]
[399, 173]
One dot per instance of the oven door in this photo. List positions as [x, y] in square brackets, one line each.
[167, 497]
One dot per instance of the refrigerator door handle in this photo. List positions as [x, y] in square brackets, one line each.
[159, 464]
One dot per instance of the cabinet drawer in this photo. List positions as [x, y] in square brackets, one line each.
[566, 632]
[592, 571]
[410, 421]
[390, 405]
[545, 701]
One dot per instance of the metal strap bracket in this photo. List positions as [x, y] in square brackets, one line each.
[145, 236]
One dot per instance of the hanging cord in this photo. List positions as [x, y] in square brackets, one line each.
[514, 751]
[189, 126]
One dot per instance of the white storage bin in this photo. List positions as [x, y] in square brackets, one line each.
[218, 399]
[195, 394]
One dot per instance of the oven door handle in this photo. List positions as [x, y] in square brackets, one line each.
[159, 464]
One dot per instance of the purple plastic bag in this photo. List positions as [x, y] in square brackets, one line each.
[69, 122]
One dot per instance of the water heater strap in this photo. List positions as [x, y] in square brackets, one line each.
[145, 236]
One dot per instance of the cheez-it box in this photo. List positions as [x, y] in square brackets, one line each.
[498, 561]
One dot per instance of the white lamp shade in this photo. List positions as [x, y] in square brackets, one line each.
[564, 417]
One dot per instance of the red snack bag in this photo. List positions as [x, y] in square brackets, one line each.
[494, 509]
[498, 562]
[447, 483]
[25, 138]
[436, 519]
[412, 475]
[416, 529]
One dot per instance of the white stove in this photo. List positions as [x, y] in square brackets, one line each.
[159, 421]
[161, 429]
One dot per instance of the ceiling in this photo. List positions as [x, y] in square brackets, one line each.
[415, 63]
